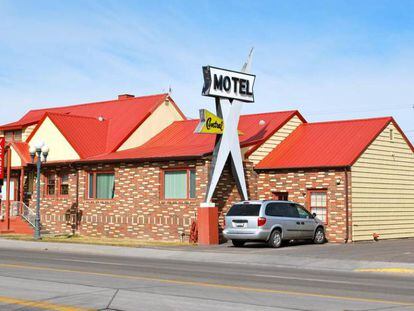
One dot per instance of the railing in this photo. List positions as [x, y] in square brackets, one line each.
[18, 208]
[25, 211]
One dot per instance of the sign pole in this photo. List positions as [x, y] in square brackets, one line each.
[236, 88]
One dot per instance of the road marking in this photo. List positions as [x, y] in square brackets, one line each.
[305, 279]
[388, 270]
[39, 304]
[211, 285]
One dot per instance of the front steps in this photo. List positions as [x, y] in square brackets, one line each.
[17, 226]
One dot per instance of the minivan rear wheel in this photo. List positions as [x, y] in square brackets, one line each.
[238, 243]
[275, 239]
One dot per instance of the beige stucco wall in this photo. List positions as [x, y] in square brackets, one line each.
[383, 189]
[60, 149]
[162, 117]
[27, 131]
[275, 140]
[15, 158]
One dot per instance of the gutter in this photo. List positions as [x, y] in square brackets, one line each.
[347, 170]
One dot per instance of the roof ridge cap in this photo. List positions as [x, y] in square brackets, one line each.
[270, 112]
[98, 102]
[74, 116]
[350, 120]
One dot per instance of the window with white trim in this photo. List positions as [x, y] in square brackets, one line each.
[318, 204]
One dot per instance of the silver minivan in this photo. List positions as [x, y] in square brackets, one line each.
[272, 222]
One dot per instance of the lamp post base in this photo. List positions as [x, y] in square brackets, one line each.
[207, 219]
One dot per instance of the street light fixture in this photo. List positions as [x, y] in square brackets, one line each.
[38, 149]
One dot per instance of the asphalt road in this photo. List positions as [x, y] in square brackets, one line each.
[42, 280]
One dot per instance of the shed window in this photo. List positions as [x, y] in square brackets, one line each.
[179, 184]
[318, 204]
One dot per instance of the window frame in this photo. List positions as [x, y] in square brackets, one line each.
[59, 184]
[188, 182]
[10, 135]
[46, 186]
[309, 205]
[94, 173]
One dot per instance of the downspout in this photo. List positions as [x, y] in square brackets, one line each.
[75, 226]
[77, 200]
[346, 205]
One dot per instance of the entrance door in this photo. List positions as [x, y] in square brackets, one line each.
[13, 195]
[14, 190]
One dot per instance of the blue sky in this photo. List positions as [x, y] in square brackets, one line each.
[329, 59]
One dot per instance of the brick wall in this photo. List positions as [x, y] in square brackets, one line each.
[298, 182]
[138, 209]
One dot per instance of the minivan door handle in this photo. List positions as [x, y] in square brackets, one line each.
[302, 223]
[298, 222]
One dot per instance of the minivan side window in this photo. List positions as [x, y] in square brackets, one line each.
[281, 210]
[303, 213]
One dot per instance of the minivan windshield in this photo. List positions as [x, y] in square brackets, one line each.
[244, 210]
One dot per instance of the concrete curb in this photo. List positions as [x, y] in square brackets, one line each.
[273, 260]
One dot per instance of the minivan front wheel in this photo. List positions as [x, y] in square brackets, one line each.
[275, 239]
[238, 243]
[319, 236]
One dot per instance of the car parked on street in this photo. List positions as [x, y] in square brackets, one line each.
[272, 222]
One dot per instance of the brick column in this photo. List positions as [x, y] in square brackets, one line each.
[207, 220]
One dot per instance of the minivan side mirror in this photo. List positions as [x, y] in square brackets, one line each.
[314, 215]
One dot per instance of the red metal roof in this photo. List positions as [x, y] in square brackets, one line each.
[22, 150]
[81, 126]
[179, 140]
[123, 112]
[88, 136]
[325, 144]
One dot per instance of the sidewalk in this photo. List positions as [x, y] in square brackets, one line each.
[325, 257]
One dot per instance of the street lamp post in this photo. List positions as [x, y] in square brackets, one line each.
[38, 149]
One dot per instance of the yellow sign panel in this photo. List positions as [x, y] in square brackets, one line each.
[209, 123]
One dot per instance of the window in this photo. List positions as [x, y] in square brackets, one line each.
[13, 135]
[303, 213]
[244, 210]
[318, 204]
[281, 196]
[180, 184]
[101, 185]
[64, 184]
[391, 134]
[50, 184]
[282, 210]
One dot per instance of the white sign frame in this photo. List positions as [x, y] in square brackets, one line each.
[229, 84]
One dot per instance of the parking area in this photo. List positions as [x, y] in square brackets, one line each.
[401, 250]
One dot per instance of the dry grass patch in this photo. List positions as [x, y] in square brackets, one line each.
[79, 239]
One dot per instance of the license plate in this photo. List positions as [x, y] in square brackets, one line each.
[240, 225]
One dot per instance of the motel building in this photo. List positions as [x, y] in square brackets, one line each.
[133, 167]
